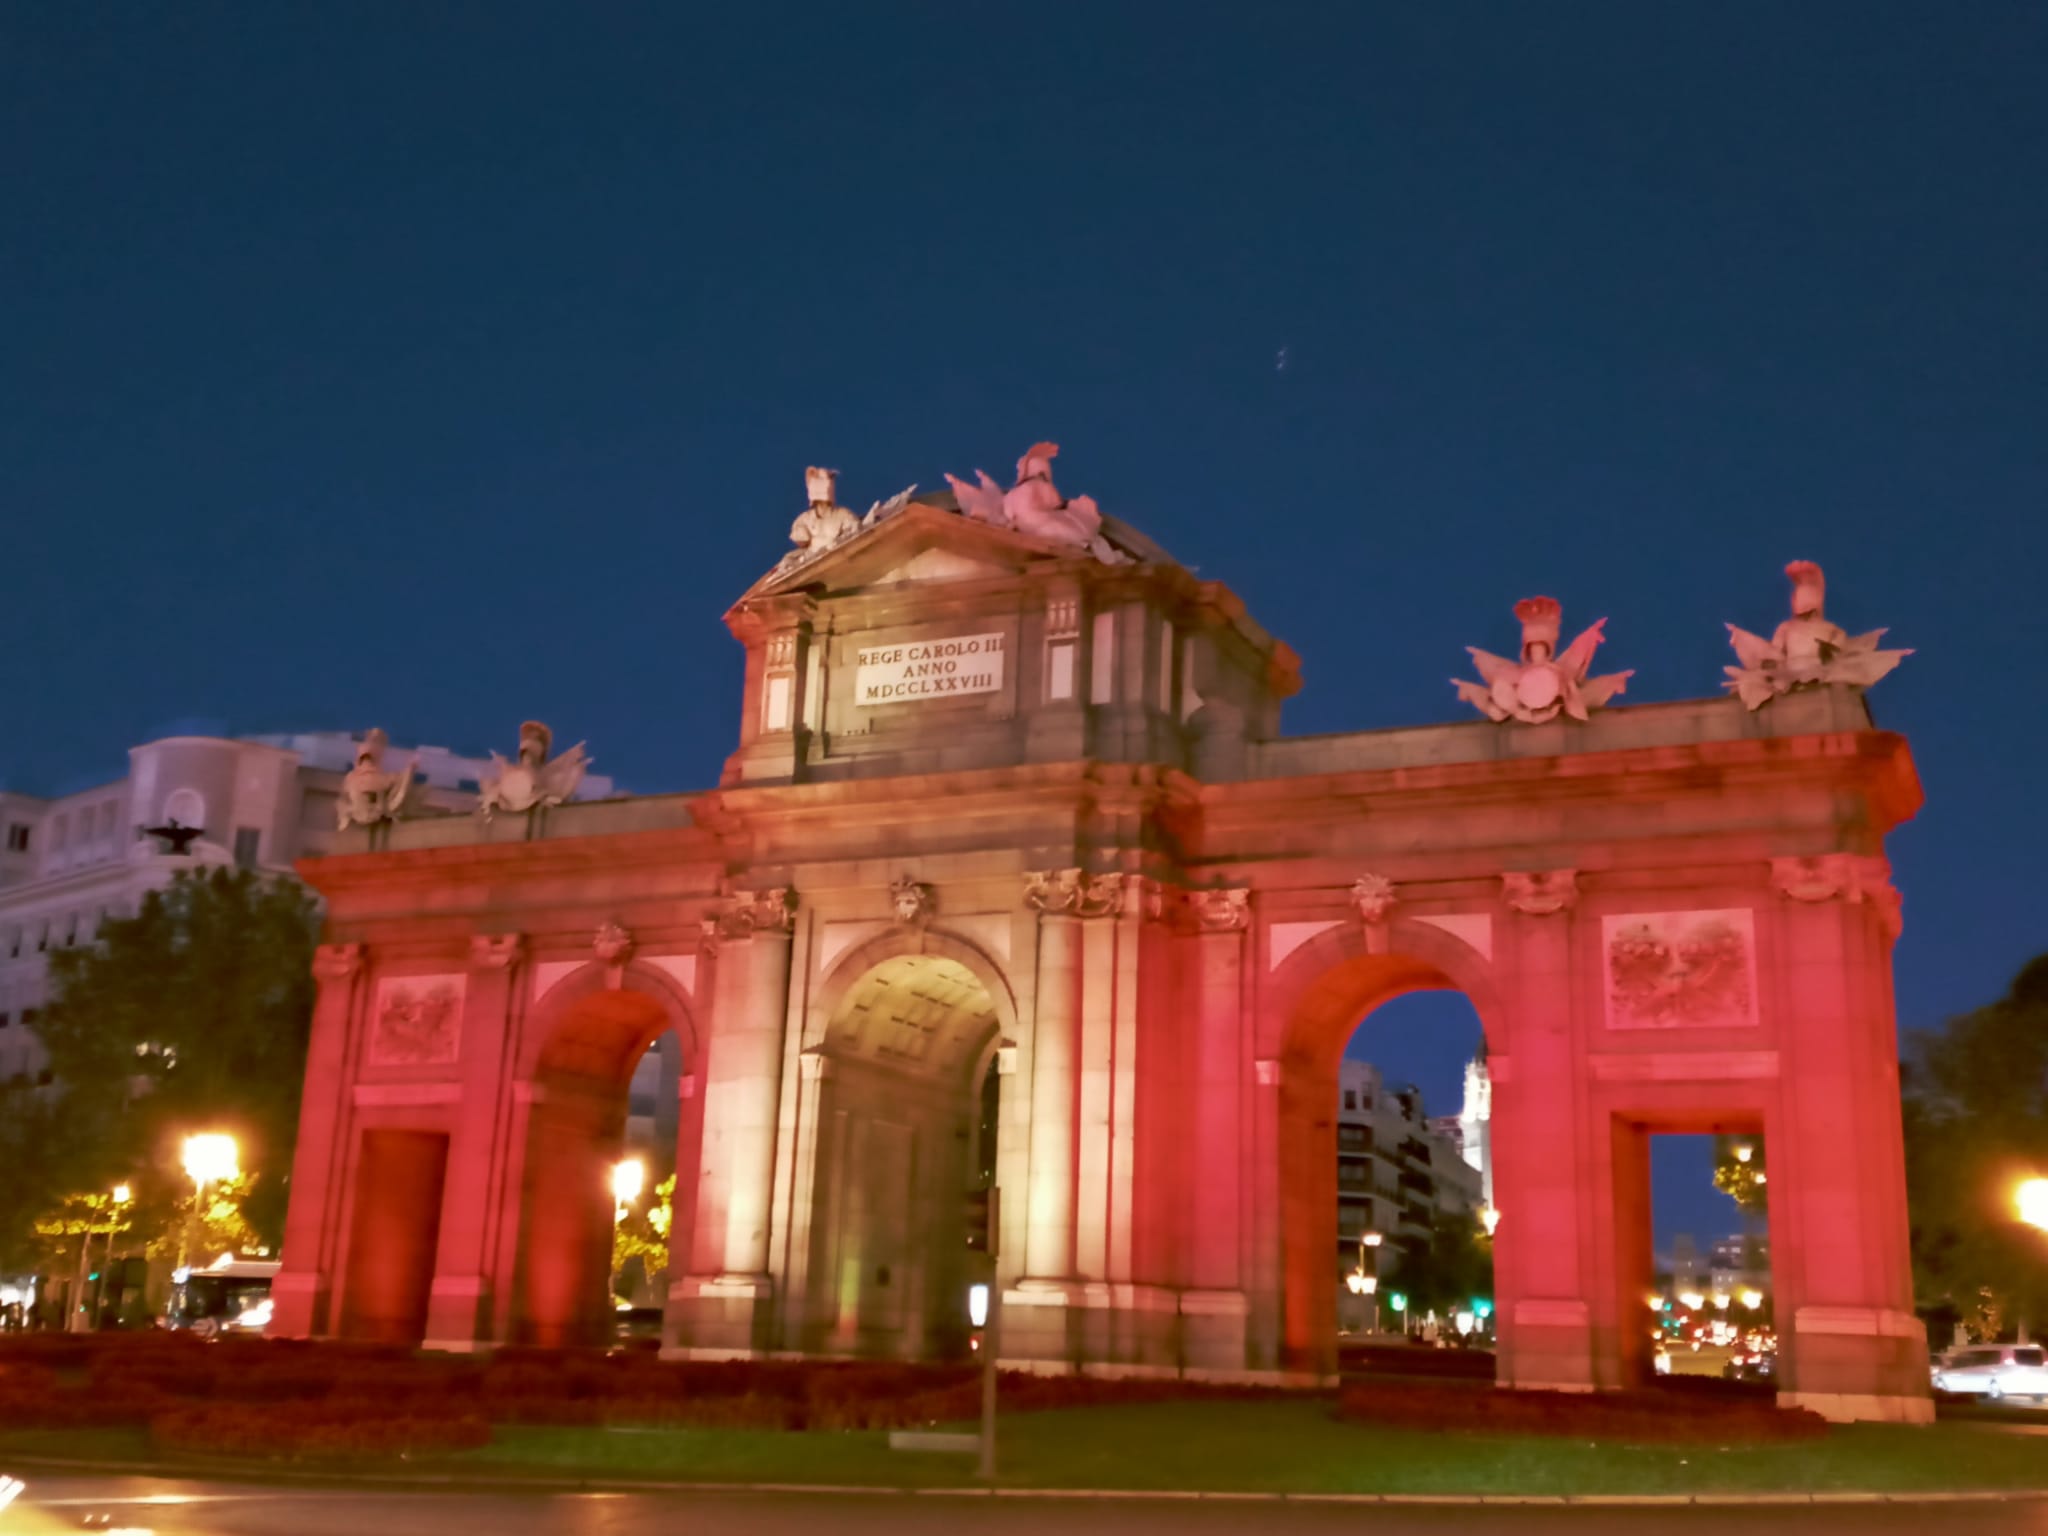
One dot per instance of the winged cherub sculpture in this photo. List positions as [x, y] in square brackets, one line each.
[370, 795]
[1542, 685]
[534, 780]
[1806, 650]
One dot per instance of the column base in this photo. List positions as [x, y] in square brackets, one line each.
[1548, 1347]
[300, 1305]
[458, 1314]
[1862, 1408]
[718, 1317]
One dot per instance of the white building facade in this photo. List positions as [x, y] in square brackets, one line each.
[1396, 1172]
[69, 862]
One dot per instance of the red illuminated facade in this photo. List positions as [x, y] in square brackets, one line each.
[1096, 869]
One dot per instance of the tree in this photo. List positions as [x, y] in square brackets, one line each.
[191, 1015]
[1448, 1271]
[1739, 1172]
[1976, 1123]
[643, 1236]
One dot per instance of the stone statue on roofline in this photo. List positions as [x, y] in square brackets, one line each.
[535, 780]
[824, 524]
[1806, 650]
[370, 796]
[1543, 684]
[1034, 506]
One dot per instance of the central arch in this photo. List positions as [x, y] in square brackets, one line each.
[1326, 989]
[900, 1072]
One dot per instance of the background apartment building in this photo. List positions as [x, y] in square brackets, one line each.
[69, 862]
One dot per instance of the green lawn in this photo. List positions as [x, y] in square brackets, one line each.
[1293, 1446]
[1296, 1447]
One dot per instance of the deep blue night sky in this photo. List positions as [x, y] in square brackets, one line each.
[435, 367]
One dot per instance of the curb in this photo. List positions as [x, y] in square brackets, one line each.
[438, 1483]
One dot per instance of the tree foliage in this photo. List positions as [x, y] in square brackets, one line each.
[191, 1015]
[1976, 1123]
[1741, 1177]
[1447, 1272]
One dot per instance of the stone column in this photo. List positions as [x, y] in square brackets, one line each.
[1840, 1263]
[1541, 1147]
[1049, 1231]
[722, 1306]
[304, 1286]
[1212, 1133]
[460, 1307]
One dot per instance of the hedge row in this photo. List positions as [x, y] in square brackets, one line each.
[1641, 1418]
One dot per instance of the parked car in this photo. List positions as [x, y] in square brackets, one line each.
[1994, 1371]
[1751, 1367]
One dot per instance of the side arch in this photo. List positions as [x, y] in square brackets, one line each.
[576, 1058]
[1319, 995]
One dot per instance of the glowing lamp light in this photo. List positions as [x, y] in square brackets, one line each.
[1355, 1283]
[1398, 1300]
[1489, 1218]
[1744, 1153]
[210, 1157]
[1482, 1307]
[1654, 1302]
[1721, 1300]
[1371, 1239]
[1751, 1298]
[2032, 1199]
[123, 1194]
[1463, 1322]
[977, 1305]
[1692, 1301]
[629, 1177]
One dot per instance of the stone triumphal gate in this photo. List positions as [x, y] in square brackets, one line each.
[1010, 797]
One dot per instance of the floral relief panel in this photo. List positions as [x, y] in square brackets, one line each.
[1680, 970]
[418, 1021]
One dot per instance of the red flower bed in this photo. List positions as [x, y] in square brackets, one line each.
[1641, 1418]
[323, 1429]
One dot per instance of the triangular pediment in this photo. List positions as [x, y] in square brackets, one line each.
[921, 543]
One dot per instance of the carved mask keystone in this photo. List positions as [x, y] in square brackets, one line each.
[1540, 892]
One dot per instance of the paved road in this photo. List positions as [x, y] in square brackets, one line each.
[138, 1505]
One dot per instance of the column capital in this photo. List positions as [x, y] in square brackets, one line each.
[743, 914]
[1072, 892]
[1850, 877]
[337, 962]
[1540, 892]
[495, 951]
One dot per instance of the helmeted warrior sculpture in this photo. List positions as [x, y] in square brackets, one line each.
[1806, 650]
[369, 795]
[534, 780]
[1539, 688]
[1034, 506]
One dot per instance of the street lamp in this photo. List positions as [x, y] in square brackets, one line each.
[1489, 1218]
[208, 1158]
[629, 1177]
[2032, 1199]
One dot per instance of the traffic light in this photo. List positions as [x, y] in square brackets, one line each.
[980, 1217]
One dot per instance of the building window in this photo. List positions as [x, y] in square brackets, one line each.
[778, 694]
[14, 945]
[43, 1078]
[60, 834]
[1351, 1098]
[247, 840]
[6, 1019]
[17, 837]
[43, 938]
[1059, 668]
[468, 786]
[1102, 664]
[28, 1018]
